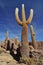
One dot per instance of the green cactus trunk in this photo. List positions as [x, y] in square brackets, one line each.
[24, 43]
[33, 41]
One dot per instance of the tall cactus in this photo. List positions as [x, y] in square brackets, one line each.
[33, 37]
[24, 23]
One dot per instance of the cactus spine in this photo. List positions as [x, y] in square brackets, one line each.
[33, 37]
[24, 23]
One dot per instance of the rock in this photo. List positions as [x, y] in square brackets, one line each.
[3, 63]
[37, 54]
[2, 50]
[6, 57]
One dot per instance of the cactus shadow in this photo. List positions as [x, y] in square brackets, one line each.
[15, 56]
[8, 45]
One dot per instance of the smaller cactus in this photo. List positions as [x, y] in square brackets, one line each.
[6, 36]
[6, 40]
[16, 41]
[33, 37]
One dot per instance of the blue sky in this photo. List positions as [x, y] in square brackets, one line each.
[8, 21]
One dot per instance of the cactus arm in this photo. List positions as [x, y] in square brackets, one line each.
[30, 17]
[17, 17]
[23, 13]
[31, 29]
[33, 37]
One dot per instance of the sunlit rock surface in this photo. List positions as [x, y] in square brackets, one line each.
[7, 59]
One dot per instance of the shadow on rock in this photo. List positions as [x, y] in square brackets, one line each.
[15, 56]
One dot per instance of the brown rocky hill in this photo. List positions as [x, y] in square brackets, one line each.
[16, 42]
[7, 59]
[39, 45]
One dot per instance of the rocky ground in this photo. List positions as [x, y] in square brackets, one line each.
[37, 57]
[7, 59]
